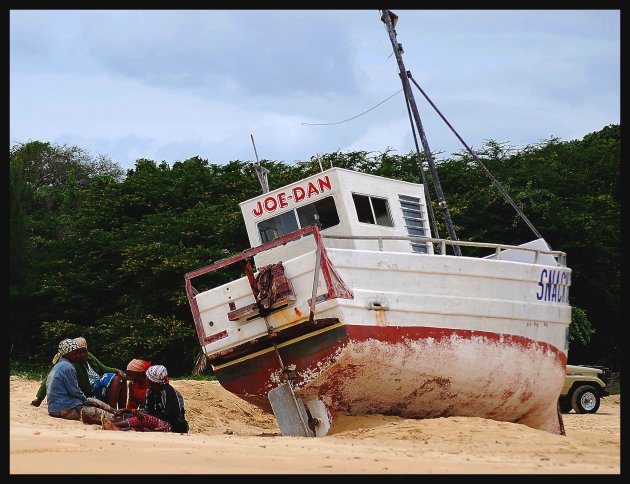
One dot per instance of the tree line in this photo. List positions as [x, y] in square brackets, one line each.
[100, 252]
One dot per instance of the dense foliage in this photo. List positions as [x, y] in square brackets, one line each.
[100, 253]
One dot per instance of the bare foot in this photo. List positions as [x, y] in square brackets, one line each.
[108, 424]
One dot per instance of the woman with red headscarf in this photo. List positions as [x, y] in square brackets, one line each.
[138, 384]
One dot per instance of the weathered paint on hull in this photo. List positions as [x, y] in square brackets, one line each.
[251, 378]
[419, 373]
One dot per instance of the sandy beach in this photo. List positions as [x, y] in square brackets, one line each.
[229, 436]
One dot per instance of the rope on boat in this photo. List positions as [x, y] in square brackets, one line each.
[353, 117]
[476, 158]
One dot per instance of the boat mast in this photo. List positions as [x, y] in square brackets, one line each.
[261, 171]
[389, 19]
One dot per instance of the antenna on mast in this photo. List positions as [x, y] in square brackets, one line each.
[261, 171]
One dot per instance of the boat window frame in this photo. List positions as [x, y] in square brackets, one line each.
[370, 197]
[297, 217]
[297, 222]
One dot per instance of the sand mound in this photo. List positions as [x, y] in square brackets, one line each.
[212, 410]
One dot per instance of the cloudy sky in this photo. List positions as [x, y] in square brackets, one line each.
[172, 84]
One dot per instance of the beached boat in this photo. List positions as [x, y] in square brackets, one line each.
[348, 304]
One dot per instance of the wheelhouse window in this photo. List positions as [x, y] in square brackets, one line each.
[372, 210]
[324, 211]
[277, 226]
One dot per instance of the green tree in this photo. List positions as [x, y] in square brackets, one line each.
[101, 254]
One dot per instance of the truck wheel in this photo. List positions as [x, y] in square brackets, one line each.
[585, 399]
[565, 404]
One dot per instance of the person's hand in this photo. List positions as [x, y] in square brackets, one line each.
[120, 373]
[120, 411]
[140, 414]
[37, 402]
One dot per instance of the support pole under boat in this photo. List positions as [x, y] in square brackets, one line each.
[290, 412]
[389, 19]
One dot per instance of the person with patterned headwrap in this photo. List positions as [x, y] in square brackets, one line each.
[163, 407]
[65, 398]
[95, 379]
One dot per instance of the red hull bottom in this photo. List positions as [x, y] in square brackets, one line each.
[411, 372]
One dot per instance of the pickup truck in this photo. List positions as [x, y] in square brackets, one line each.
[583, 388]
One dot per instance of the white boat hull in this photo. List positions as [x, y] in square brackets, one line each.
[450, 336]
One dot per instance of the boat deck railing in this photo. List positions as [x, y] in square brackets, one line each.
[561, 257]
[336, 288]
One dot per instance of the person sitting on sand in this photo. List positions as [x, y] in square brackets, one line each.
[138, 384]
[163, 407]
[111, 387]
[65, 398]
[83, 380]
[110, 384]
